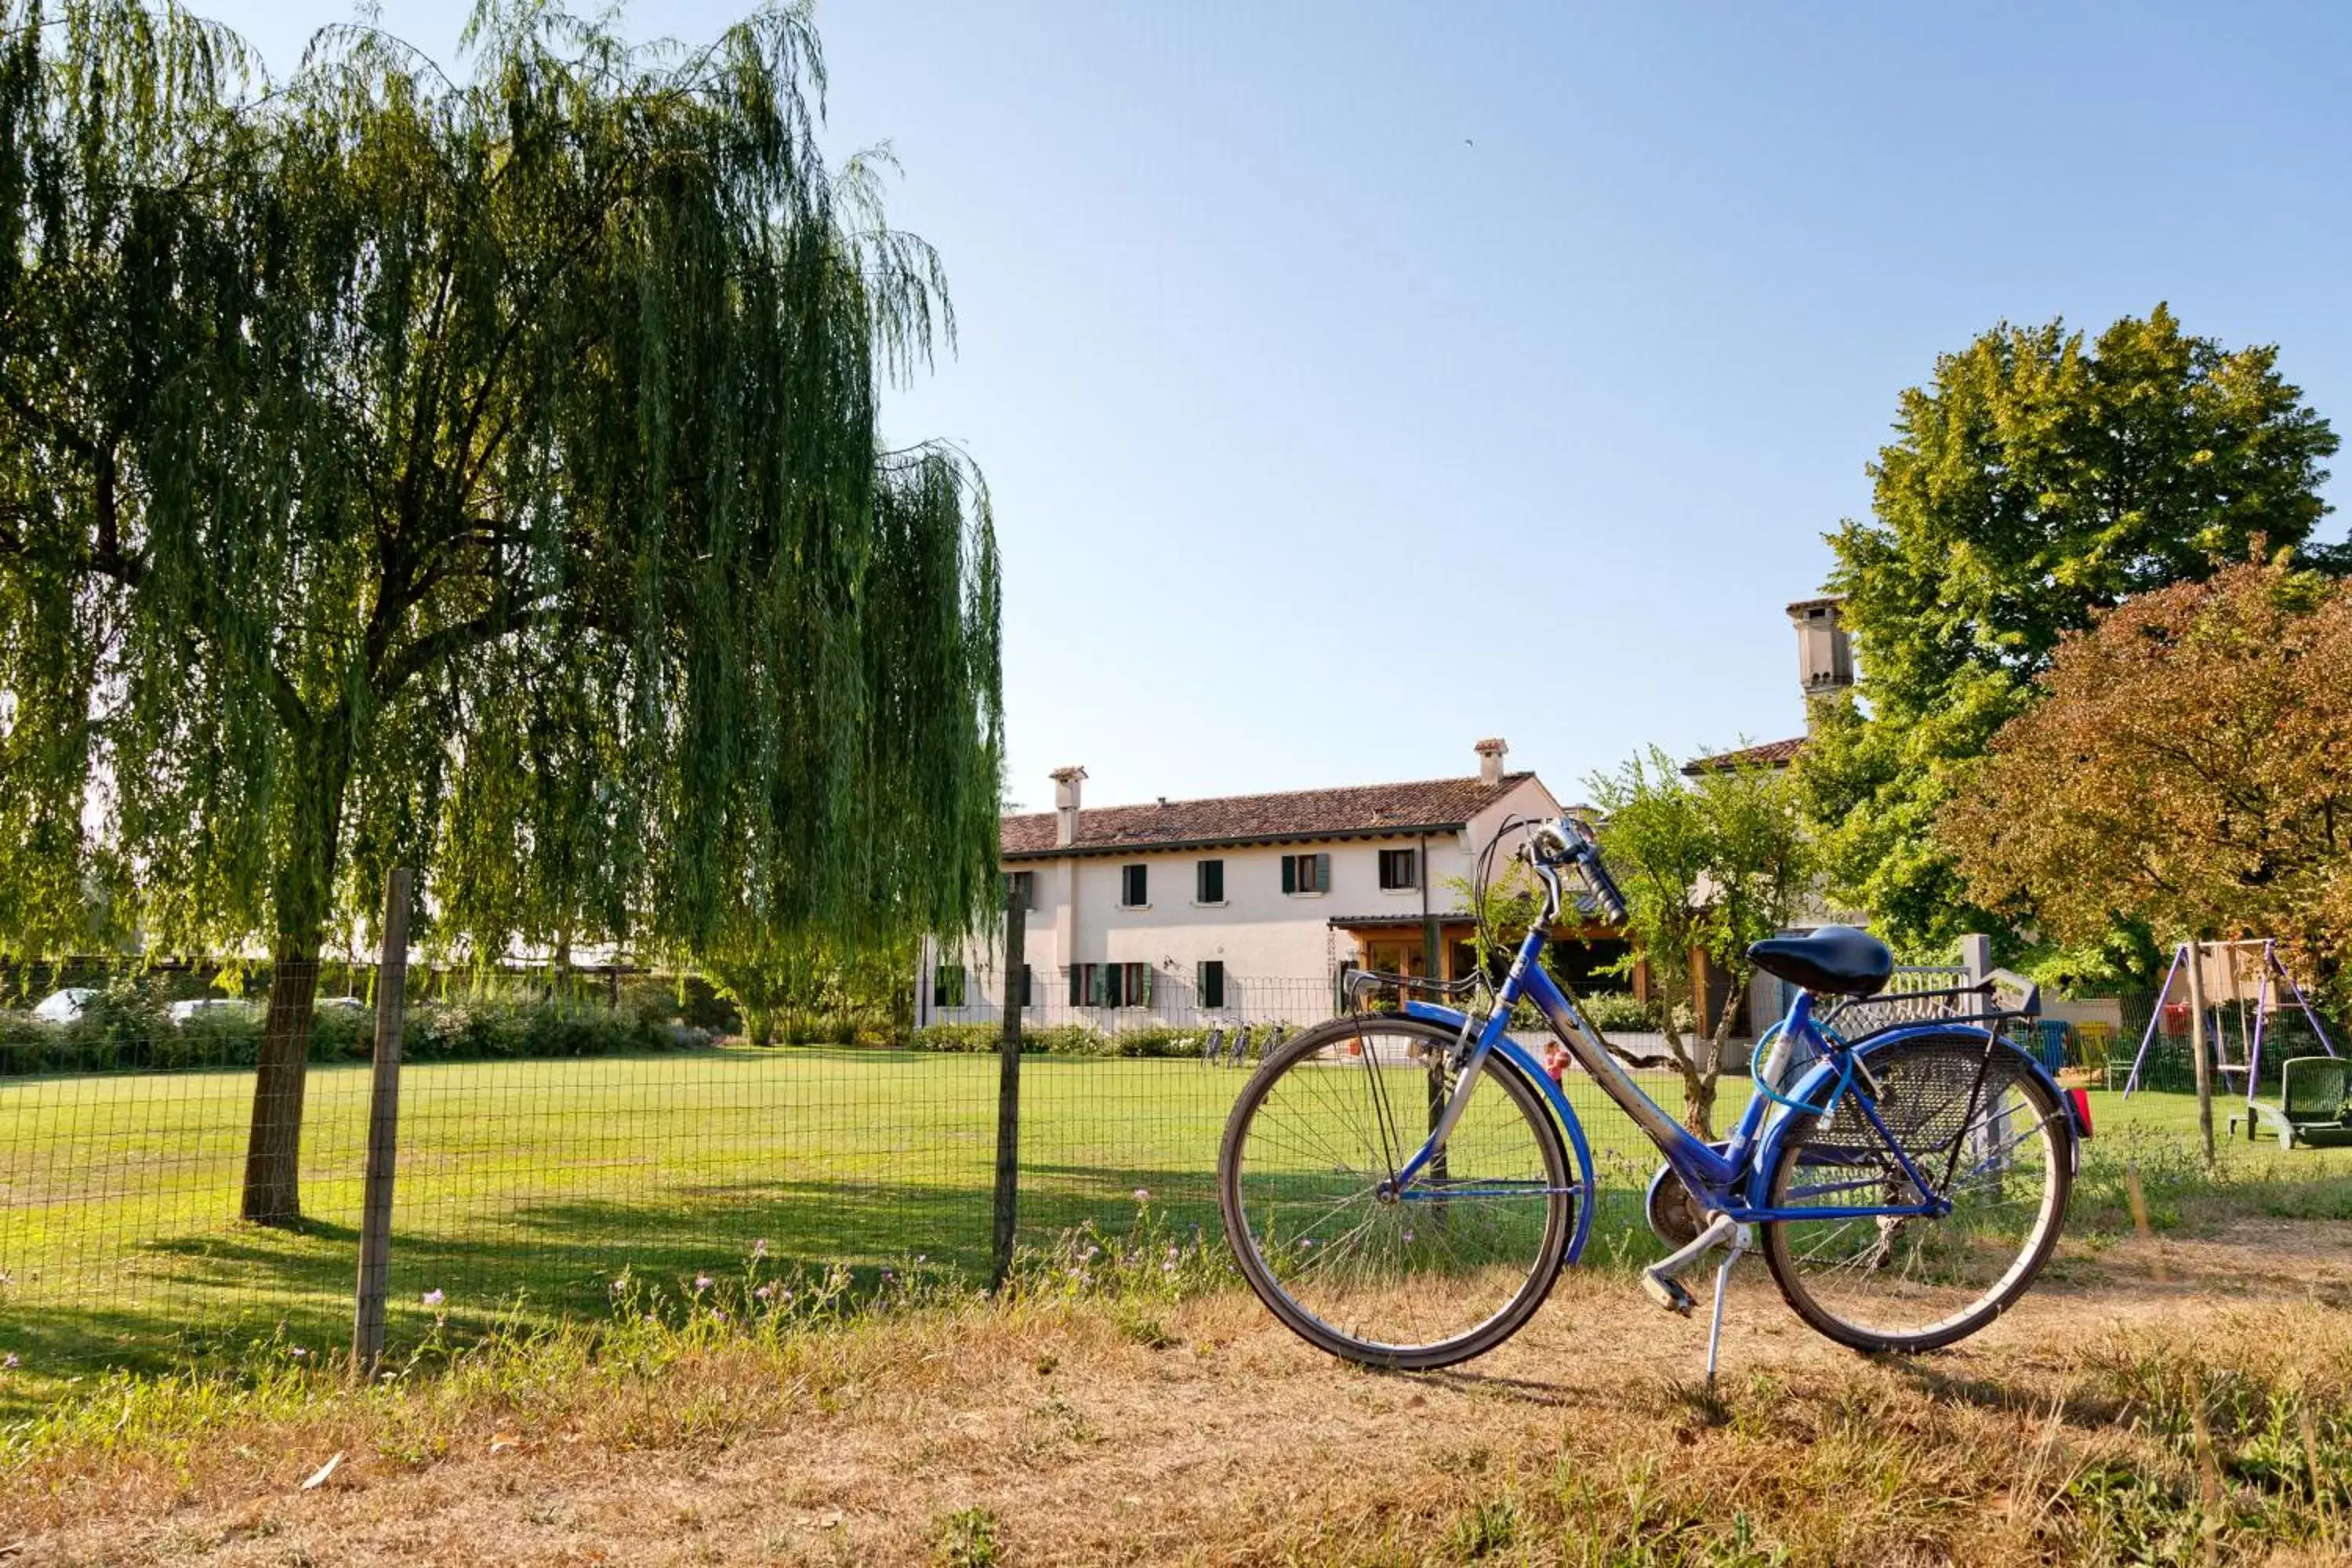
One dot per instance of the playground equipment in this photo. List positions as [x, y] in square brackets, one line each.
[2232, 1016]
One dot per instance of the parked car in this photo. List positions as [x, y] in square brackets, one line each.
[341, 1005]
[65, 1006]
[181, 1011]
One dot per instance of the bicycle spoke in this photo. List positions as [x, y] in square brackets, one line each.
[1388, 1274]
[1900, 1278]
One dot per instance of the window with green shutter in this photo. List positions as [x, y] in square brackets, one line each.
[1210, 887]
[1212, 983]
[1307, 873]
[1134, 886]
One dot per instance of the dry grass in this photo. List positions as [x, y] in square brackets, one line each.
[2113, 1417]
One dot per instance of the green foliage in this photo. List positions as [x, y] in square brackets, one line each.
[1160, 1041]
[1609, 1011]
[968, 1538]
[117, 1036]
[814, 990]
[475, 474]
[2037, 479]
[1708, 865]
[480, 475]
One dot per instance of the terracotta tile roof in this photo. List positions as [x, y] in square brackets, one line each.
[1772, 754]
[1432, 803]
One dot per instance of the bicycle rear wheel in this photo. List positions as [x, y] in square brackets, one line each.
[1986, 1133]
[1444, 1271]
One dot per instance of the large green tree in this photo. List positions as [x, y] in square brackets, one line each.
[2038, 478]
[479, 473]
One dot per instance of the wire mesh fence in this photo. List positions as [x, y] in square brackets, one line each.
[548, 1147]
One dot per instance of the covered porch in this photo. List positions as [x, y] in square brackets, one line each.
[1444, 947]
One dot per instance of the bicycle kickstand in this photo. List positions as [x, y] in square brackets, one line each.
[1722, 1289]
[1662, 1283]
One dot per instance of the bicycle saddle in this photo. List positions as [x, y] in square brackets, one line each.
[1836, 961]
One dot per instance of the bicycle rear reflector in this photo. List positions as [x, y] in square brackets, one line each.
[2080, 1099]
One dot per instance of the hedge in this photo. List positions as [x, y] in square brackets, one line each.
[127, 1034]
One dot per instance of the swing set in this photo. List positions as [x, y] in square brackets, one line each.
[2232, 1016]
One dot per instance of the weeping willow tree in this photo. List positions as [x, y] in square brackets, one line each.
[478, 474]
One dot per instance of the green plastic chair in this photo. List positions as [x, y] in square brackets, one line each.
[2311, 1104]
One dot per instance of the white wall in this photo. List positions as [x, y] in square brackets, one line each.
[1284, 941]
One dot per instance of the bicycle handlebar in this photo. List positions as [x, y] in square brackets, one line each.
[1565, 843]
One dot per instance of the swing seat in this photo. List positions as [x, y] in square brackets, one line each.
[2310, 1109]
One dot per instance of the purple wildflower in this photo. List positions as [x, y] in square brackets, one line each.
[760, 1248]
[1143, 1194]
[701, 1283]
[9, 1362]
[434, 1297]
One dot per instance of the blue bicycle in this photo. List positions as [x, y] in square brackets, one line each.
[1402, 1189]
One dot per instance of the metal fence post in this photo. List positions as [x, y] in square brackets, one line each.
[383, 1127]
[1008, 1090]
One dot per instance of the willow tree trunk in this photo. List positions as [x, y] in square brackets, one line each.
[303, 890]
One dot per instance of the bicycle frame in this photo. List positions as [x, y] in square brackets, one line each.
[1724, 1180]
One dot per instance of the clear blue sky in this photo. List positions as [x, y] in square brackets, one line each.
[1358, 380]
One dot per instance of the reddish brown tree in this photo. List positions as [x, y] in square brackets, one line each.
[2190, 767]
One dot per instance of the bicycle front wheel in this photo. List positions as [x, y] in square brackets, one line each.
[1986, 1133]
[1442, 1270]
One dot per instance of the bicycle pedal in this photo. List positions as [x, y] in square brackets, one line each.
[1668, 1292]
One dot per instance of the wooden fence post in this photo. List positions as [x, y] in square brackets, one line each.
[383, 1127]
[1008, 1090]
[2202, 1068]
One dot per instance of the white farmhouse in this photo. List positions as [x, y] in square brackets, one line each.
[1245, 907]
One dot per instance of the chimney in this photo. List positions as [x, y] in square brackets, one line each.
[1824, 656]
[1065, 804]
[1491, 753]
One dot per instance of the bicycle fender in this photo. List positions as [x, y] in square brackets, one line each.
[1431, 1013]
[1580, 1153]
[1822, 1076]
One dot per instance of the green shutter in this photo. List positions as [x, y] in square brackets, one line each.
[1290, 873]
[1078, 984]
[1322, 873]
[1150, 974]
[1101, 976]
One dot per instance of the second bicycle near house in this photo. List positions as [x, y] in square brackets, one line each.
[1403, 1189]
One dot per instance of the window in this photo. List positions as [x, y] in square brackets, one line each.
[1110, 985]
[1023, 885]
[1210, 882]
[1134, 886]
[1307, 873]
[1212, 976]
[1398, 869]
[947, 985]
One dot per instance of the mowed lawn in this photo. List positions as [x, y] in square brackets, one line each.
[532, 1185]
